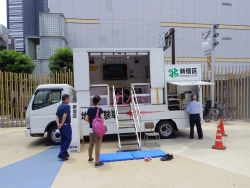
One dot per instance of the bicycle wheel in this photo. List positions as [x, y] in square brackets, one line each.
[230, 116]
[207, 117]
[214, 114]
[224, 115]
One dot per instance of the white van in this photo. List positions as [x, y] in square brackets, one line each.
[161, 92]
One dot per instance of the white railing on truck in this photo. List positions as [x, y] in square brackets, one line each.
[135, 118]
[135, 108]
[116, 117]
[144, 98]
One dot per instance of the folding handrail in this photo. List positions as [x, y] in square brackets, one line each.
[116, 117]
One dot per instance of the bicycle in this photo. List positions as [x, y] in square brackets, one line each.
[214, 114]
[219, 111]
[206, 114]
[229, 112]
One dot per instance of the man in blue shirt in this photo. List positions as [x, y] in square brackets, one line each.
[63, 121]
[193, 109]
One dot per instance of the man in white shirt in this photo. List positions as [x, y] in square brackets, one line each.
[193, 109]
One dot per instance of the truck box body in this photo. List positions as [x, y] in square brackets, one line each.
[162, 91]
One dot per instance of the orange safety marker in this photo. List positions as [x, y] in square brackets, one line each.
[222, 127]
[218, 140]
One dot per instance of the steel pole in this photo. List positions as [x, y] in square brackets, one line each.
[173, 46]
[212, 64]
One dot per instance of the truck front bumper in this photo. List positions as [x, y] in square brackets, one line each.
[27, 132]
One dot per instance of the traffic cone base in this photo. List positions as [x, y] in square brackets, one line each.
[223, 147]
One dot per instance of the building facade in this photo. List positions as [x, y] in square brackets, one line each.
[6, 41]
[53, 35]
[23, 19]
[137, 24]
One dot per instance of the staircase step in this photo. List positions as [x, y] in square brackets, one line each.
[129, 143]
[122, 113]
[125, 123]
[123, 106]
[125, 119]
[126, 127]
[127, 134]
[129, 150]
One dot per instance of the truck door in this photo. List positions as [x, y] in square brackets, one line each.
[194, 83]
[43, 109]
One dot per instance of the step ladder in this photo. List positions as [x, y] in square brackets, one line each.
[133, 122]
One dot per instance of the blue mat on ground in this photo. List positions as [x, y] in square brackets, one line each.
[152, 153]
[38, 171]
[132, 155]
[109, 157]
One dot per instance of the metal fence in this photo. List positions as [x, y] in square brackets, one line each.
[16, 89]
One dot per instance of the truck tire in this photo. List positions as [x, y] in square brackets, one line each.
[53, 135]
[166, 129]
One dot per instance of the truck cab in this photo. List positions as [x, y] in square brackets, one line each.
[40, 113]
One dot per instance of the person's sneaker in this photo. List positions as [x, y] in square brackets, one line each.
[68, 155]
[90, 160]
[63, 158]
[191, 139]
[99, 164]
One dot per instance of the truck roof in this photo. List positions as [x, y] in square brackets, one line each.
[118, 49]
[54, 85]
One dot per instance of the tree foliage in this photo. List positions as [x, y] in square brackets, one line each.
[61, 60]
[16, 62]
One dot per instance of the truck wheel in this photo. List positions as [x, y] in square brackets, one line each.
[166, 129]
[53, 135]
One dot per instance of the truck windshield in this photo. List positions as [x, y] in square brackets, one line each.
[44, 98]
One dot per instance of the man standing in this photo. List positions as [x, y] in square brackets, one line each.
[63, 121]
[193, 109]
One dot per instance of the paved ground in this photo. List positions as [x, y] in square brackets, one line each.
[195, 164]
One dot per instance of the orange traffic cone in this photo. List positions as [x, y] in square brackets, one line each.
[222, 127]
[218, 140]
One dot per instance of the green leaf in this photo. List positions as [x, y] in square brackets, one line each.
[61, 60]
[16, 62]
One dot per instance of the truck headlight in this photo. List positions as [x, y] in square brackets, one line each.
[27, 122]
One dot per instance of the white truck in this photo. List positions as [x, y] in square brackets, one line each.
[159, 92]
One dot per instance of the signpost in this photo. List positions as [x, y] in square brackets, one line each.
[167, 39]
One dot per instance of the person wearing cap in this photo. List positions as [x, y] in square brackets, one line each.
[193, 109]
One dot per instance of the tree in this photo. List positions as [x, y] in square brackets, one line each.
[16, 62]
[61, 60]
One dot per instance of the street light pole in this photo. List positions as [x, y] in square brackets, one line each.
[211, 44]
[212, 65]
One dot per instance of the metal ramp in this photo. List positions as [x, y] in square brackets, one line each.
[133, 123]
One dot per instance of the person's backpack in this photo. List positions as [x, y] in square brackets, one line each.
[98, 125]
